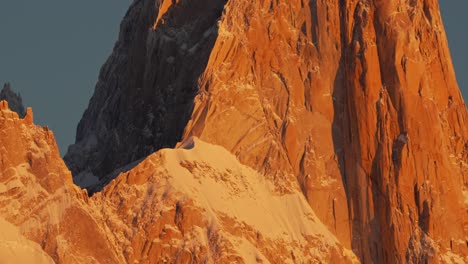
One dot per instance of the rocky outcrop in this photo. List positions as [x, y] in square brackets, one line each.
[37, 196]
[194, 204]
[198, 204]
[15, 100]
[404, 134]
[361, 106]
[355, 103]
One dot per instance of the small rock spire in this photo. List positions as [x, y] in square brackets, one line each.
[14, 100]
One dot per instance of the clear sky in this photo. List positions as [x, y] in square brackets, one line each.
[51, 51]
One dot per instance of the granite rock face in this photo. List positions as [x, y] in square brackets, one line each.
[38, 197]
[354, 103]
[194, 204]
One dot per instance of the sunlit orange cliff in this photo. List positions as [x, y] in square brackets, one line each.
[267, 131]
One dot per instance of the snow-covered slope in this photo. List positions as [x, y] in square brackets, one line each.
[16, 249]
[199, 202]
[193, 204]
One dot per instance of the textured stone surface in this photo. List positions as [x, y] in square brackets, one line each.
[199, 204]
[353, 102]
[37, 196]
[145, 92]
[359, 101]
[195, 204]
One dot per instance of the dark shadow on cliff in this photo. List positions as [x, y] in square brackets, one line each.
[14, 100]
[144, 96]
[367, 203]
[341, 131]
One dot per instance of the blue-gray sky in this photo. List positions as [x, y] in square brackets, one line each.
[51, 51]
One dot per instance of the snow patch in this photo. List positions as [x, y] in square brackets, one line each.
[452, 258]
[15, 248]
[215, 179]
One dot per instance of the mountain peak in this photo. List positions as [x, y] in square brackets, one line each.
[342, 99]
[310, 132]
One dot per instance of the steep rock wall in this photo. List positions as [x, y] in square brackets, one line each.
[353, 102]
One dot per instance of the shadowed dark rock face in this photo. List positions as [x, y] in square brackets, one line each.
[144, 96]
[14, 100]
